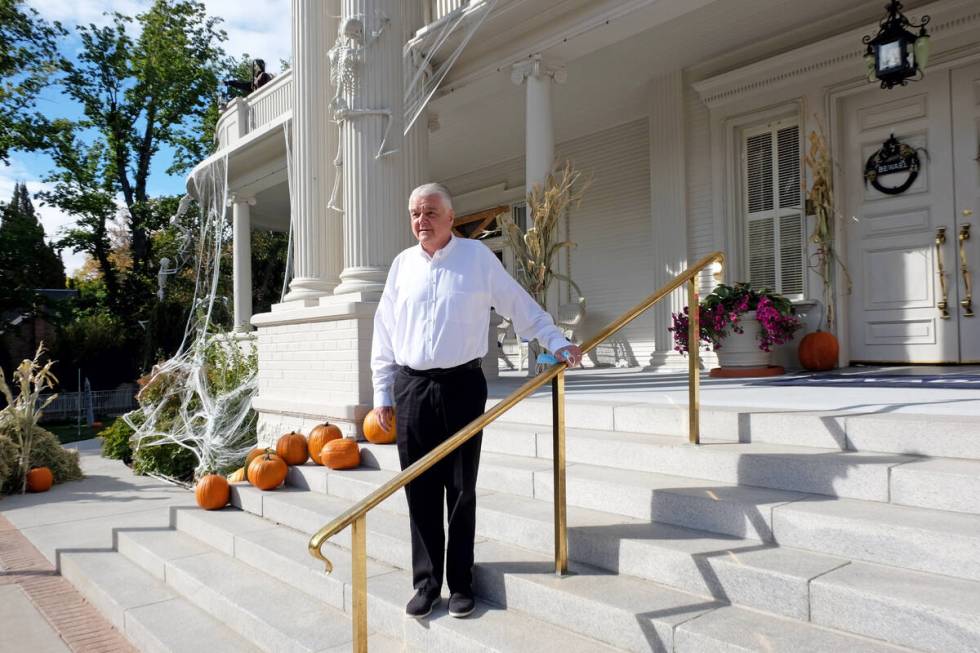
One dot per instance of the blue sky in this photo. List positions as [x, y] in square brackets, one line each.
[259, 27]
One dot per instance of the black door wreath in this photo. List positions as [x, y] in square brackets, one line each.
[893, 158]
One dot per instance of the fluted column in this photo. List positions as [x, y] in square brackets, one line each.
[317, 230]
[668, 188]
[241, 266]
[379, 169]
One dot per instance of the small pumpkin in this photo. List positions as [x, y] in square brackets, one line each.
[819, 351]
[292, 448]
[237, 476]
[212, 492]
[319, 436]
[267, 472]
[373, 431]
[39, 479]
[253, 454]
[341, 454]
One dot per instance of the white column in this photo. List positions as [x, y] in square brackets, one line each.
[376, 188]
[668, 189]
[317, 230]
[241, 266]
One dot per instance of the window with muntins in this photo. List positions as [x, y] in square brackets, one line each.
[773, 221]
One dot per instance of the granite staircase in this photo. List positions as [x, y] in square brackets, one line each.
[782, 532]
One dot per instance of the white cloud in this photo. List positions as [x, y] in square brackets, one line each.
[52, 219]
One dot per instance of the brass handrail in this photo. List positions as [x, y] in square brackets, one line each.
[355, 516]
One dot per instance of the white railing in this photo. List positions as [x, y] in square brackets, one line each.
[440, 8]
[244, 115]
[68, 405]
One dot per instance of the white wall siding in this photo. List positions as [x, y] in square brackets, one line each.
[700, 222]
[612, 263]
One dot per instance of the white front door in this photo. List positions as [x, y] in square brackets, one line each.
[902, 309]
[966, 166]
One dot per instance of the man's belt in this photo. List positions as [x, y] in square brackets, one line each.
[476, 363]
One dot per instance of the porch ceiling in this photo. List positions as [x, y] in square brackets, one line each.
[608, 72]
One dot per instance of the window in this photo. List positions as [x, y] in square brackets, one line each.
[774, 224]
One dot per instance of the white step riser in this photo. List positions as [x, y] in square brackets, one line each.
[914, 485]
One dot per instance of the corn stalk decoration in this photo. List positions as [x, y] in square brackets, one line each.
[820, 197]
[535, 252]
[32, 379]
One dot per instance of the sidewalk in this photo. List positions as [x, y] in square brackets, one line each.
[39, 610]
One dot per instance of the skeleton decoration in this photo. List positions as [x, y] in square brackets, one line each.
[346, 58]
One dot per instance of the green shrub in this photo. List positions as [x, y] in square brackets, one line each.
[170, 460]
[116, 443]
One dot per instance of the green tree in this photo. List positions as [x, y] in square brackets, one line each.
[26, 261]
[28, 54]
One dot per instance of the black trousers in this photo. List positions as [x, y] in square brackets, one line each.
[430, 407]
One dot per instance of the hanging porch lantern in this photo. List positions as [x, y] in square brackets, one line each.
[896, 54]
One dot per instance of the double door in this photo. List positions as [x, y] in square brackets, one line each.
[912, 255]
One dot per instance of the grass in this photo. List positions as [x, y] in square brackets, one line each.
[67, 432]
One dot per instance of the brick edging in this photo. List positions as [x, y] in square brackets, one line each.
[79, 624]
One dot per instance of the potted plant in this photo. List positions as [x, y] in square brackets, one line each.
[740, 323]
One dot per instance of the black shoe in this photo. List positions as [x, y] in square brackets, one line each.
[461, 605]
[421, 604]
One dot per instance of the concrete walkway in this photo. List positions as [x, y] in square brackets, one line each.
[48, 614]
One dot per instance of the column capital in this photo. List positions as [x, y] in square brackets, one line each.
[536, 67]
[240, 198]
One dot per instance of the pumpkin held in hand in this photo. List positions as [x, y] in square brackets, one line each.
[373, 431]
[292, 448]
[319, 436]
[341, 454]
[818, 351]
[267, 472]
[39, 479]
[212, 492]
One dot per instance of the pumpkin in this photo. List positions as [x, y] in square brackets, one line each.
[267, 472]
[253, 454]
[39, 479]
[212, 492]
[292, 448]
[819, 350]
[341, 454]
[319, 436]
[373, 431]
[237, 476]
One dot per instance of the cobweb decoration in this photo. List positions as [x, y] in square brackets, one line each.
[426, 60]
[200, 399]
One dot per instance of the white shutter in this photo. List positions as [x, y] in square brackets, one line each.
[773, 219]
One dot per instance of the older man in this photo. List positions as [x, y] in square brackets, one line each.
[430, 332]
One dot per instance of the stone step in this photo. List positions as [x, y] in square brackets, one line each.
[264, 546]
[628, 613]
[940, 483]
[682, 501]
[950, 436]
[811, 470]
[151, 615]
[924, 611]
[919, 539]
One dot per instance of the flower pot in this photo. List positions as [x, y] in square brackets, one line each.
[742, 349]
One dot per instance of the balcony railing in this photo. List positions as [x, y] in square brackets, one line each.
[439, 8]
[244, 115]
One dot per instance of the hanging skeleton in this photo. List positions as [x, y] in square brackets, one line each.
[346, 58]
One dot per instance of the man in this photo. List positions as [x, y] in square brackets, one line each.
[430, 332]
[259, 78]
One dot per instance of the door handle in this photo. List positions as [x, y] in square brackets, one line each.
[942, 304]
[966, 302]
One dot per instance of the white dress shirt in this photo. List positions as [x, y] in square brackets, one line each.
[435, 311]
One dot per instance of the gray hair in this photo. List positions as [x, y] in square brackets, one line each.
[433, 188]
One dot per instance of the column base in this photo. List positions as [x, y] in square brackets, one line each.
[363, 280]
[305, 288]
[672, 362]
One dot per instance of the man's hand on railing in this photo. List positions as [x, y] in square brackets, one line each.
[386, 416]
[571, 354]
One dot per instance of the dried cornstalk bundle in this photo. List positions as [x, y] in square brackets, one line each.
[23, 411]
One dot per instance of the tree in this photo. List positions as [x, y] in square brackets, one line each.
[26, 261]
[28, 54]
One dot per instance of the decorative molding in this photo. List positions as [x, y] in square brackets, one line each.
[536, 67]
[836, 53]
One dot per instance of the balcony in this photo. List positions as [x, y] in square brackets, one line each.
[266, 106]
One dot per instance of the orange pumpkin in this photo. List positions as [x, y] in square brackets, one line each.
[292, 448]
[253, 454]
[818, 351]
[319, 436]
[341, 454]
[212, 492]
[373, 431]
[267, 472]
[39, 479]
